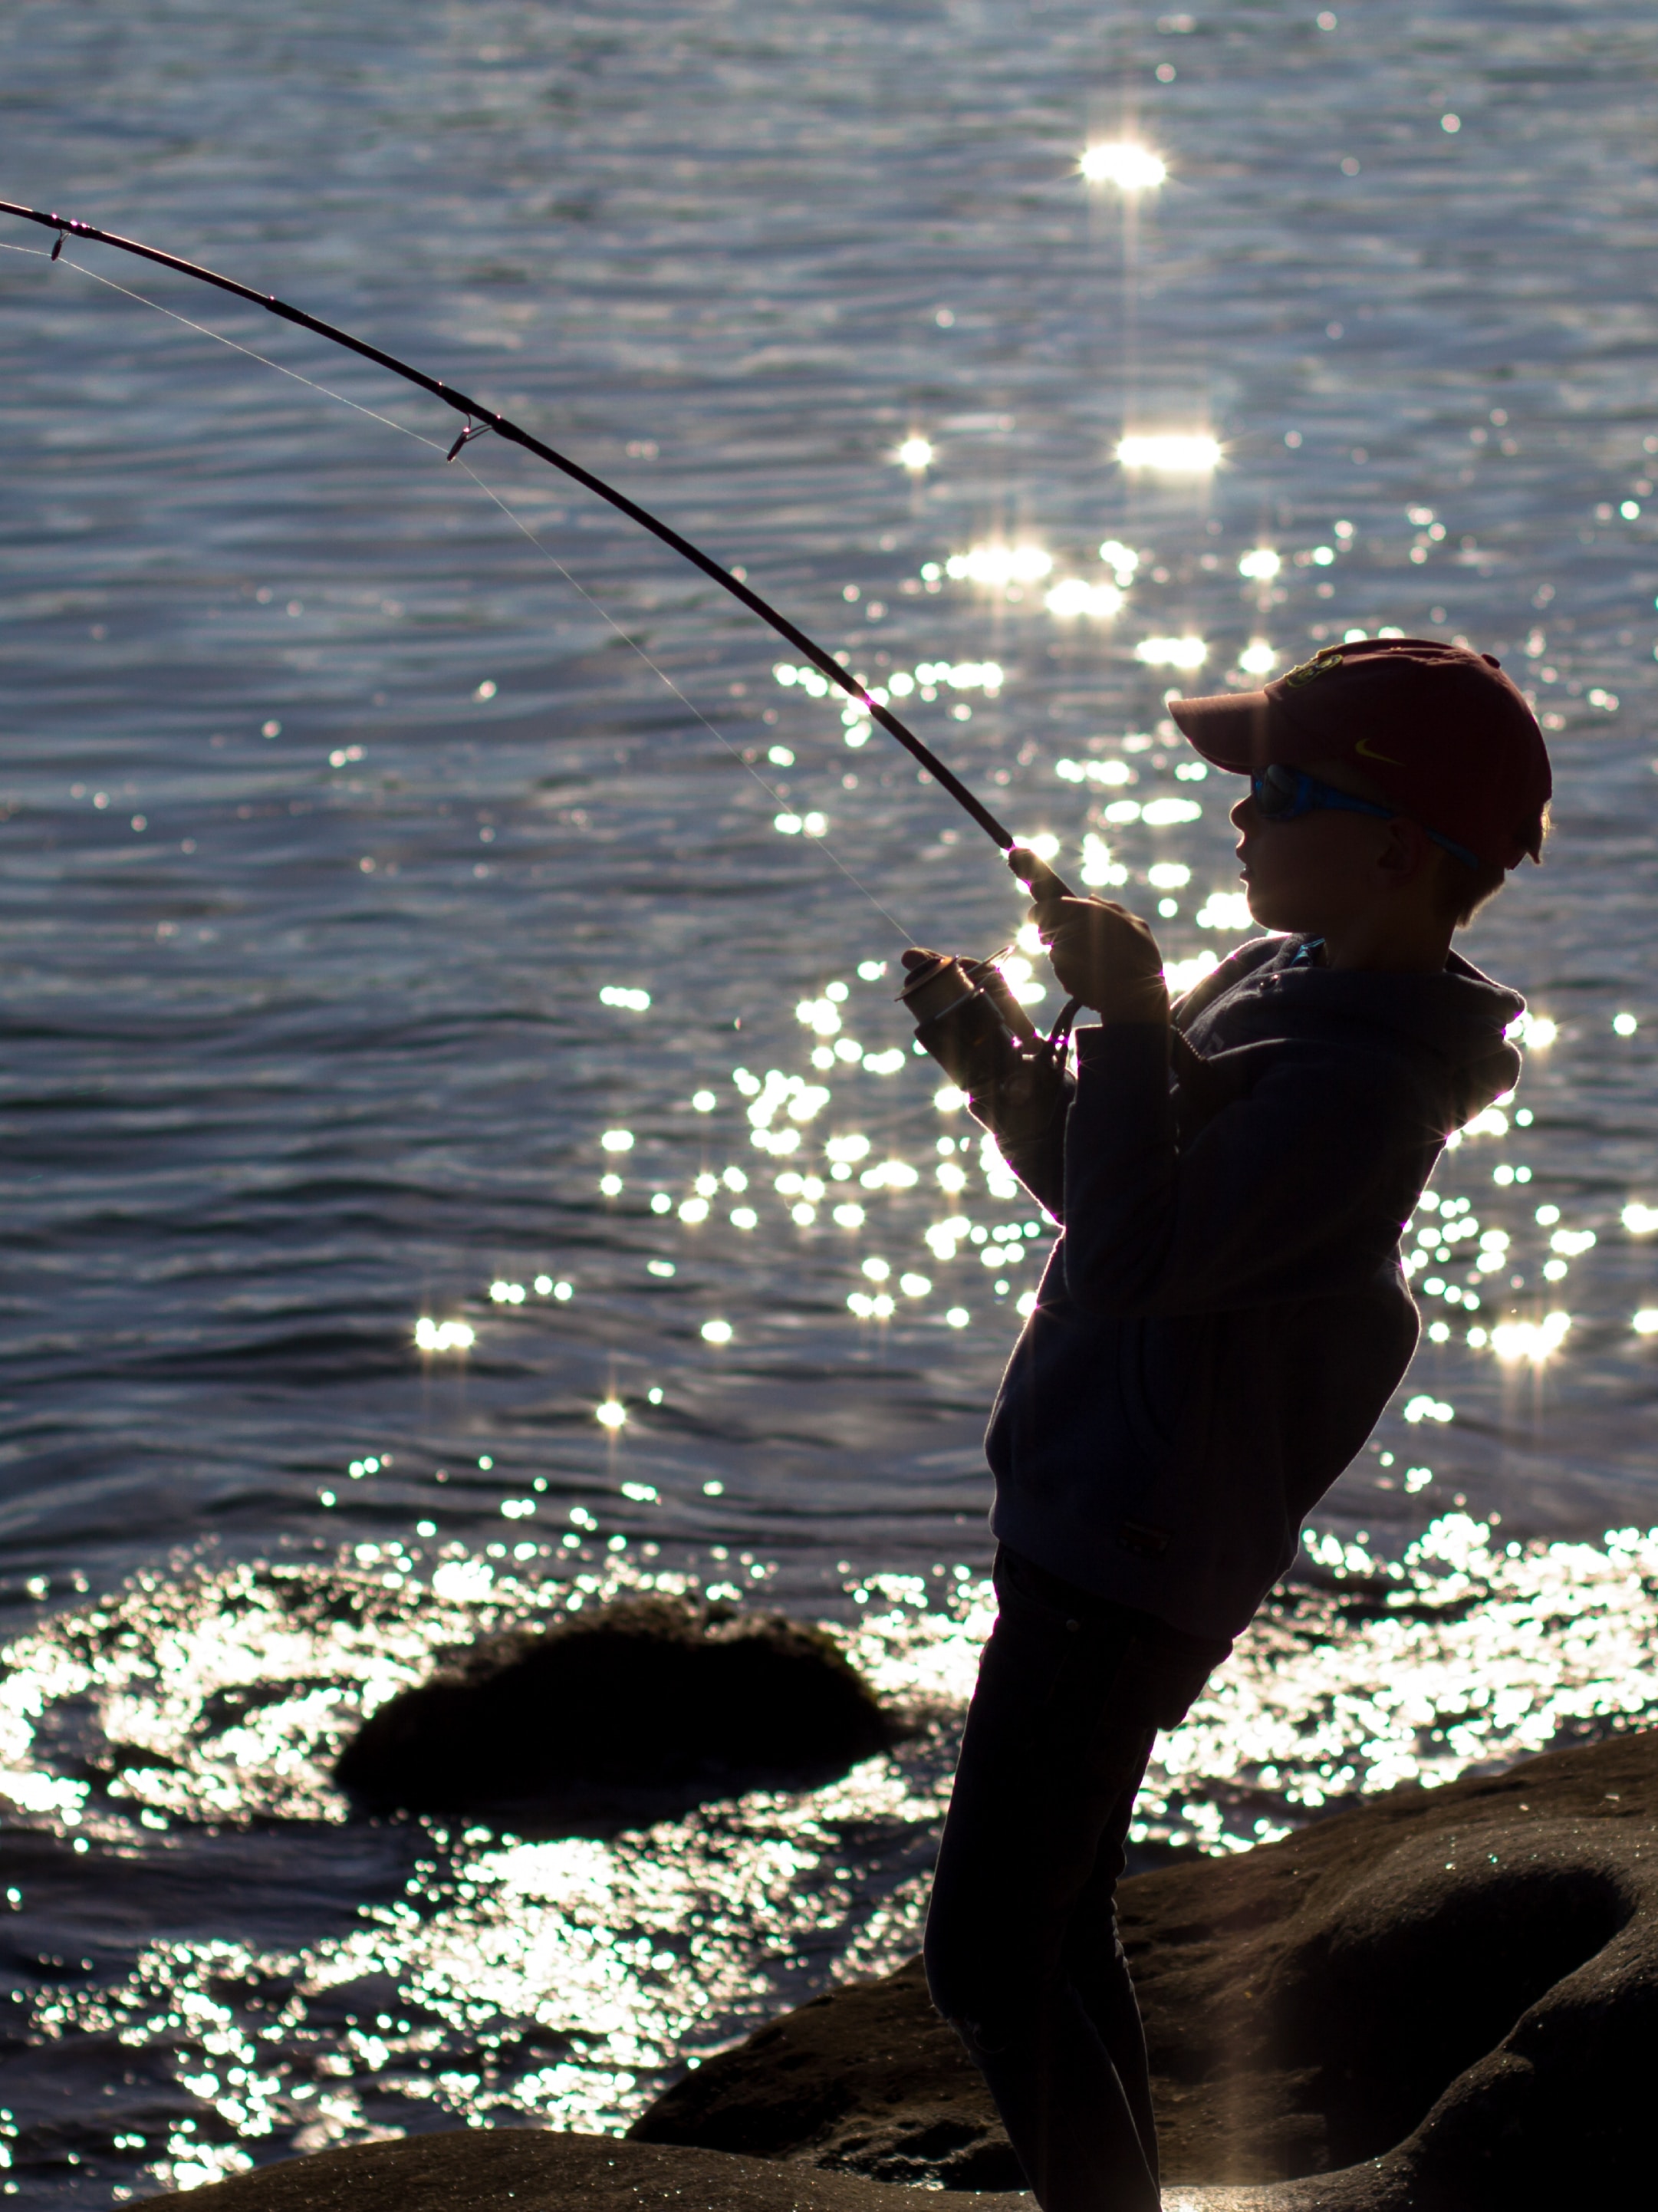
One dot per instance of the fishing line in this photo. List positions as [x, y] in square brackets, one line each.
[480, 419]
[822, 843]
[35, 253]
[434, 445]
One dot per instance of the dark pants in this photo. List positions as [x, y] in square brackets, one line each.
[1022, 1951]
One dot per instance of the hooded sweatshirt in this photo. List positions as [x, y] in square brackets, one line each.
[1224, 1316]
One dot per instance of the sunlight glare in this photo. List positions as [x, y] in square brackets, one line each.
[1119, 162]
[1074, 595]
[444, 1335]
[1514, 1341]
[1000, 565]
[1185, 652]
[1171, 453]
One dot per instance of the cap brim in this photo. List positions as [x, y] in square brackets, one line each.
[1230, 729]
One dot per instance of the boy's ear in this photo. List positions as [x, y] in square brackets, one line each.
[1407, 854]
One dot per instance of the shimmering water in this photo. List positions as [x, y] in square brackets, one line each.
[386, 943]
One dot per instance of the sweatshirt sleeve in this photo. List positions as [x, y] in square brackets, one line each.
[1033, 1144]
[1277, 1188]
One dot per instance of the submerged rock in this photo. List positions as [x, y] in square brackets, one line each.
[1446, 2001]
[636, 1709]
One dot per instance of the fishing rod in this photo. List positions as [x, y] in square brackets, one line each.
[480, 419]
[931, 984]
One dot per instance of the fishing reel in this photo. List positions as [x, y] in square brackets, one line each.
[966, 1017]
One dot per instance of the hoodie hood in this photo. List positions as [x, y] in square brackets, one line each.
[1453, 1025]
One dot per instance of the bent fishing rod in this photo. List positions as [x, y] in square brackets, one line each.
[480, 419]
[1038, 878]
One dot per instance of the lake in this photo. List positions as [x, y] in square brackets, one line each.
[462, 1154]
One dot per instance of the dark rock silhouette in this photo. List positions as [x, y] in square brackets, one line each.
[1444, 2001]
[1447, 2000]
[630, 1711]
[532, 2170]
[867, 2080]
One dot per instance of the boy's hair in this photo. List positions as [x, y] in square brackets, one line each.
[1460, 891]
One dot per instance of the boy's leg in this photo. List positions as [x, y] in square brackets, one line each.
[1099, 1972]
[1021, 1942]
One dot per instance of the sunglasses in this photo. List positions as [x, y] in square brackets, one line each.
[1285, 794]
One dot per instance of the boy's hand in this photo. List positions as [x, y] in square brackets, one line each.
[1101, 953]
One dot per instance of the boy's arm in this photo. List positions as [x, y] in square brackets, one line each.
[1278, 1190]
[1300, 1174]
[1031, 1132]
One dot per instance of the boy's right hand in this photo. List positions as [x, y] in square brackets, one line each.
[1102, 954]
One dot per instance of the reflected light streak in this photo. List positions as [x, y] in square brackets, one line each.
[1258, 658]
[563, 1982]
[1185, 652]
[1225, 910]
[1093, 771]
[1181, 976]
[1000, 565]
[915, 453]
[1121, 162]
[1533, 1340]
[1171, 453]
[1074, 595]
[1532, 1032]
[444, 1335]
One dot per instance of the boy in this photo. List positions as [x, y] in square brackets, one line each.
[1222, 1320]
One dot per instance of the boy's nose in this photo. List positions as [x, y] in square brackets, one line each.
[1243, 815]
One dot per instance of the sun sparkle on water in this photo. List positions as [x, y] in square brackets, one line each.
[1129, 167]
[1171, 453]
[1184, 652]
[1074, 595]
[557, 1982]
[1260, 564]
[1000, 564]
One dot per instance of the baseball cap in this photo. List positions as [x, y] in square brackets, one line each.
[1438, 729]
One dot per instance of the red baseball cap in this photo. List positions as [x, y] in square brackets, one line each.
[1439, 729]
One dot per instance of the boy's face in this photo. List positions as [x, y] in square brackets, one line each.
[1312, 875]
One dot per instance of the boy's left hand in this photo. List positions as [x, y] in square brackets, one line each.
[1102, 954]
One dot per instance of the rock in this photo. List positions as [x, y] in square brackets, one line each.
[533, 2170]
[1445, 2001]
[867, 2080]
[635, 1711]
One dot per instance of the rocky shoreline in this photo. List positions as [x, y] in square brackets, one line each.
[1446, 2001]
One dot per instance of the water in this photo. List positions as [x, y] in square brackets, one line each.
[333, 811]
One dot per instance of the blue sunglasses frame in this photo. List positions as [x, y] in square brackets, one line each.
[1285, 794]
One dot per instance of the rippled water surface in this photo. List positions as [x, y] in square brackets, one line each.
[461, 1153]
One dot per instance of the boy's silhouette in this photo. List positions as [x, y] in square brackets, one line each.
[1221, 1321]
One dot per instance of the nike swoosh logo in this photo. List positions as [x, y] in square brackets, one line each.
[1369, 751]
